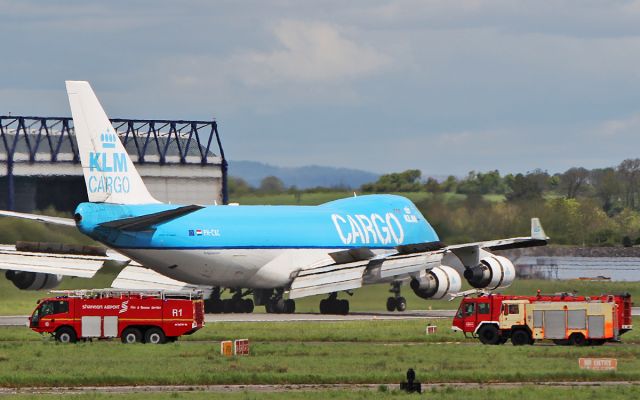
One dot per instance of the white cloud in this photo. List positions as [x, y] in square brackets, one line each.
[312, 52]
[620, 127]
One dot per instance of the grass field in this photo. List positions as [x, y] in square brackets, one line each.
[302, 353]
[387, 392]
[448, 393]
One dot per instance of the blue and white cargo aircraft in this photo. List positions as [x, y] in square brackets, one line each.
[276, 253]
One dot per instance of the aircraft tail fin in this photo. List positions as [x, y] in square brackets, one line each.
[109, 173]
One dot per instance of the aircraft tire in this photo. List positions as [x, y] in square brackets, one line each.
[227, 306]
[289, 306]
[401, 304]
[247, 306]
[213, 306]
[391, 304]
[342, 307]
[324, 306]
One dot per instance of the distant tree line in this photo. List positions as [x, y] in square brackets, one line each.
[614, 188]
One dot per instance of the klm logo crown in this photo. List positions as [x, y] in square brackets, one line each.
[108, 140]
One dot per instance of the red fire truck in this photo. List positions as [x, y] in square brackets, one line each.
[133, 316]
[563, 318]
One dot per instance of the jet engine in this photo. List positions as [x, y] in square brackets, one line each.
[436, 282]
[33, 280]
[492, 273]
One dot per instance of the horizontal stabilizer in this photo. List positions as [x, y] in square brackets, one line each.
[145, 222]
[50, 263]
[138, 277]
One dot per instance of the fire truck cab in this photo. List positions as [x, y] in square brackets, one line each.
[133, 316]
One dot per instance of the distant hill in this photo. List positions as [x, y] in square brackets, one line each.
[302, 177]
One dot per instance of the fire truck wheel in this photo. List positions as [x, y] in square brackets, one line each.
[391, 304]
[66, 335]
[577, 339]
[520, 337]
[401, 304]
[131, 335]
[488, 334]
[154, 336]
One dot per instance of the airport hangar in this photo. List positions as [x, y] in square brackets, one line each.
[180, 161]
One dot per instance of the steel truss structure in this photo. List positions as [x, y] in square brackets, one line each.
[164, 142]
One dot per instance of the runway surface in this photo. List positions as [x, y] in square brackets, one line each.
[21, 320]
[293, 387]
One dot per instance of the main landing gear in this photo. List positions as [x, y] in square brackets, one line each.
[396, 302]
[278, 305]
[236, 304]
[332, 305]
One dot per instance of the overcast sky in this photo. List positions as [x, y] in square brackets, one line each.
[443, 86]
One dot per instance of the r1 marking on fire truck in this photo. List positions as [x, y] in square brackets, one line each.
[176, 312]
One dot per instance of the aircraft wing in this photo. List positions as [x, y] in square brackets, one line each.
[340, 276]
[83, 266]
[40, 218]
[470, 253]
[350, 269]
[135, 276]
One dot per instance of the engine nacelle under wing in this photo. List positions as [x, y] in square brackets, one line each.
[33, 280]
[437, 282]
[492, 273]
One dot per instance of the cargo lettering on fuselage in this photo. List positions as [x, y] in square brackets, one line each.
[368, 229]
